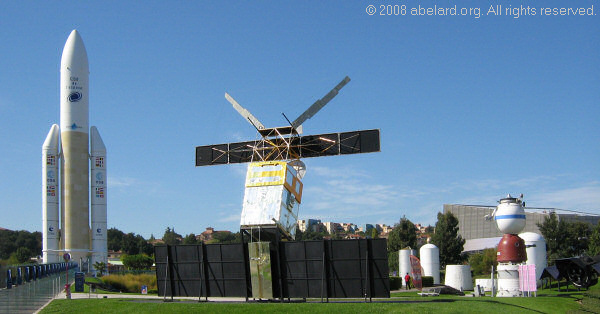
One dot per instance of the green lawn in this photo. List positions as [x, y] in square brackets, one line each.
[548, 301]
[549, 304]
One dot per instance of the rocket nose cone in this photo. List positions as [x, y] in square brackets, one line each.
[74, 56]
[96, 143]
[51, 141]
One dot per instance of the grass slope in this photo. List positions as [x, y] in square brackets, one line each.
[548, 301]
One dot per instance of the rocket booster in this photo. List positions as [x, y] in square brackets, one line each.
[98, 195]
[76, 237]
[50, 195]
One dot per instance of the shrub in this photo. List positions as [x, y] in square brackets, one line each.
[137, 262]
[130, 282]
[427, 281]
[395, 283]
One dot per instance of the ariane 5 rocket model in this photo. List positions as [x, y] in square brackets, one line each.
[80, 153]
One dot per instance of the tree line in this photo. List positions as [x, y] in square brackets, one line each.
[563, 239]
[569, 238]
[17, 247]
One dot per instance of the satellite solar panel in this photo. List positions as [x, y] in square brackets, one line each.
[357, 142]
[241, 152]
[212, 155]
[319, 145]
[330, 144]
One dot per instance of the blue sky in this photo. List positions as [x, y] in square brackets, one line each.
[469, 108]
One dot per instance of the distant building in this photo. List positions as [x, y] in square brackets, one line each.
[421, 228]
[333, 227]
[366, 228]
[349, 227]
[313, 225]
[480, 233]
[385, 230]
[115, 255]
[209, 234]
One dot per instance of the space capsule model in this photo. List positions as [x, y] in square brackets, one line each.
[510, 219]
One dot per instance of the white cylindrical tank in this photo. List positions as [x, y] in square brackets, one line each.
[50, 193]
[98, 190]
[430, 261]
[404, 263]
[459, 277]
[510, 215]
[536, 251]
[508, 280]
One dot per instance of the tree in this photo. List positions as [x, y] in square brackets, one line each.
[447, 239]
[564, 239]
[404, 234]
[224, 237]
[100, 267]
[579, 237]
[145, 246]
[481, 263]
[374, 234]
[129, 244]
[114, 237]
[23, 254]
[171, 237]
[309, 235]
[10, 241]
[594, 245]
[190, 239]
[137, 262]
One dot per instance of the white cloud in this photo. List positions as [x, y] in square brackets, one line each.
[585, 198]
[117, 182]
[339, 195]
[130, 184]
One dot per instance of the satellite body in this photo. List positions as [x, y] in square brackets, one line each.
[272, 195]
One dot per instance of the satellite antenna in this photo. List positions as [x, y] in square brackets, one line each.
[273, 181]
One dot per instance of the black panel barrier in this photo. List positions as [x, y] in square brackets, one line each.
[307, 269]
[215, 270]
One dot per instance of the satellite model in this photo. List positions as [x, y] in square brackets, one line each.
[273, 189]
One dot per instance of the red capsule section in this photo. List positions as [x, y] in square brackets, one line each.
[511, 249]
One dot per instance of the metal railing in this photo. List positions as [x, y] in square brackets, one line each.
[30, 296]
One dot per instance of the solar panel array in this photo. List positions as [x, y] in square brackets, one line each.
[330, 144]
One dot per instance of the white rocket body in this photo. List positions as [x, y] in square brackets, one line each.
[50, 194]
[76, 236]
[74, 121]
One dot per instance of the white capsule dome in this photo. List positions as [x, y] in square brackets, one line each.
[510, 215]
[404, 263]
[536, 251]
[430, 261]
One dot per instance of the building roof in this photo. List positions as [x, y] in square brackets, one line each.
[472, 245]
